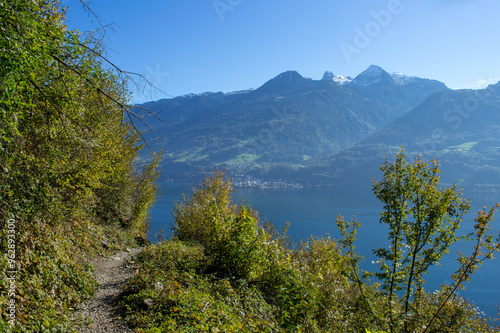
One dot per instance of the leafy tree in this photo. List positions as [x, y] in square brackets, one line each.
[224, 271]
[422, 219]
[228, 234]
[68, 161]
[193, 216]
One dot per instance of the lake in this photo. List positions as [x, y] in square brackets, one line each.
[312, 211]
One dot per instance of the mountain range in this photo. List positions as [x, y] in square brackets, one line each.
[330, 130]
[460, 128]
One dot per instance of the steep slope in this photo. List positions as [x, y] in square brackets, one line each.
[329, 76]
[461, 128]
[400, 91]
[165, 113]
[288, 120]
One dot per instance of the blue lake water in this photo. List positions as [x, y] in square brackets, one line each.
[313, 212]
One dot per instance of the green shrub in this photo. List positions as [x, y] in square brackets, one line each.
[225, 271]
[194, 215]
[231, 236]
[185, 300]
[67, 164]
[244, 268]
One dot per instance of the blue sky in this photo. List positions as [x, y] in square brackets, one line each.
[226, 45]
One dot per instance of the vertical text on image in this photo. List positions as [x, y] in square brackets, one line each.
[11, 273]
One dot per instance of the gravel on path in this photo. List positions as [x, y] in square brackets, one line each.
[112, 274]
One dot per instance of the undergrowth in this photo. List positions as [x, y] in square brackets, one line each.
[69, 184]
[225, 271]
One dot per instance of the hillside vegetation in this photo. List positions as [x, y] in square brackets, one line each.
[226, 271]
[72, 187]
[458, 127]
[286, 122]
[323, 132]
[69, 183]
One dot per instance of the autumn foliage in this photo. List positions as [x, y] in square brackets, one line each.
[68, 171]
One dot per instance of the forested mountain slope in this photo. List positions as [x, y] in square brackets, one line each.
[287, 121]
[461, 128]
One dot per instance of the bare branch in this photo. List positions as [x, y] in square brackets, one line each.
[124, 107]
[121, 71]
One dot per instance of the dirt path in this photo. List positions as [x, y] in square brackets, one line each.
[112, 274]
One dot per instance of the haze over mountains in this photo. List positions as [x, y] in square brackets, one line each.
[459, 127]
[331, 130]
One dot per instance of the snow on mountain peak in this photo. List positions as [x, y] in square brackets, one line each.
[329, 76]
[239, 92]
[371, 75]
[402, 79]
